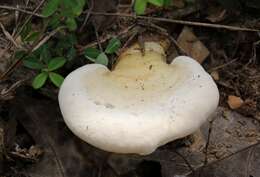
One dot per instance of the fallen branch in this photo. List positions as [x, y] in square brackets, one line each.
[21, 10]
[183, 22]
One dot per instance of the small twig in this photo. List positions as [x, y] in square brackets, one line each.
[183, 22]
[29, 18]
[165, 33]
[97, 37]
[222, 66]
[2, 52]
[255, 77]
[140, 40]
[46, 38]
[249, 160]
[208, 141]
[6, 93]
[129, 40]
[8, 35]
[87, 16]
[186, 161]
[33, 48]
[104, 39]
[181, 50]
[21, 10]
[230, 155]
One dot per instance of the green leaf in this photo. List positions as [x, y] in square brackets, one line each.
[67, 12]
[71, 39]
[19, 54]
[71, 54]
[71, 24]
[65, 42]
[156, 2]
[102, 59]
[56, 63]
[82, 2]
[39, 80]
[45, 53]
[32, 63]
[32, 36]
[50, 8]
[78, 7]
[140, 6]
[167, 2]
[91, 53]
[73, 8]
[54, 21]
[113, 46]
[56, 79]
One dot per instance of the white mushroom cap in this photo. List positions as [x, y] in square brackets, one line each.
[140, 105]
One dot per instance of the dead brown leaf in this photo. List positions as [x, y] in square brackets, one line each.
[192, 45]
[217, 15]
[234, 102]
[215, 75]
[178, 3]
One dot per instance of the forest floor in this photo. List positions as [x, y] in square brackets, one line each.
[224, 36]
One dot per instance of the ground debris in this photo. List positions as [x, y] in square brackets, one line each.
[192, 45]
[234, 102]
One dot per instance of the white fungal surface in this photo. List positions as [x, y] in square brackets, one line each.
[140, 105]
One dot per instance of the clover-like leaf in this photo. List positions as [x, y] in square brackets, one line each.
[102, 59]
[71, 54]
[54, 21]
[140, 6]
[71, 24]
[91, 54]
[39, 80]
[56, 79]
[113, 46]
[32, 62]
[78, 7]
[157, 2]
[56, 63]
[167, 2]
[50, 8]
[20, 54]
[45, 53]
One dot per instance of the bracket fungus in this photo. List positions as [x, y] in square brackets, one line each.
[141, 104]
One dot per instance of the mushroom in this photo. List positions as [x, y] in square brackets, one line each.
[141, 104]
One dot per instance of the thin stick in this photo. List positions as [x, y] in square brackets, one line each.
[29, 18]
[98, 41]
[16, 63]
[186, 161]
[165, 33]
[207, 144]
[46, 38]
[183, 22]
[8, 35]
[223, 65]
[87, 16]
[127, 43]
[104, 39]
[21, 10]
